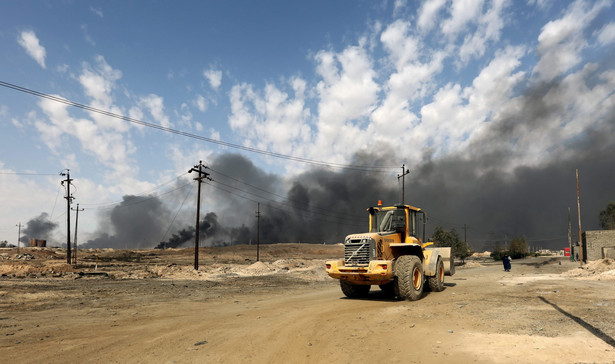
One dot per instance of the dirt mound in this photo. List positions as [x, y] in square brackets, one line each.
[471, 265]
[602, 269]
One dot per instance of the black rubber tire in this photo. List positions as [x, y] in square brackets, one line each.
[409, 277]
[436, 283]
[354, 290]
[388, 289]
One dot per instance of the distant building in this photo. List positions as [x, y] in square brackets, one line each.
[599, 244]
[38, 243]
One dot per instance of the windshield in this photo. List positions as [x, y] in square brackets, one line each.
[387, 221]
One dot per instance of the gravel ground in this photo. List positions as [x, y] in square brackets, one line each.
[153, 307]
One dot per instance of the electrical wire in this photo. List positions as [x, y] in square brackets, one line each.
[137, 195]
[193, 136]
[142, 200]
[164, 237]
[279, 208]
[29, 174]
[55, 202]
[336, 216]
[277, 195]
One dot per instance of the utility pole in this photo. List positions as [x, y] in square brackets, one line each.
[75, 240]
[69, 200]
[465, 233]
[581, 258]
[18, 236]
[258, 230]
[202, 175]
[403, 174]
[570, 237]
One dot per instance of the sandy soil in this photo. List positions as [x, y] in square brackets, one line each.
[153, 307]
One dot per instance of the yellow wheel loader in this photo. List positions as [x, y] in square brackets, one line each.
[392, 256]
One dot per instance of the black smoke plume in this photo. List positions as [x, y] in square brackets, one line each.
[39, 227]
[135, 223]
[208, 229]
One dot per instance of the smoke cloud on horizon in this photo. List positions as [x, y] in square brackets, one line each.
[39, 227]
[516, 179]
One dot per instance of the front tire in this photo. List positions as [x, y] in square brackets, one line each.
[436, 283]
[354, 290]
[409, 277]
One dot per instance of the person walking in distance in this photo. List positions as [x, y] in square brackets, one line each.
[506, 262]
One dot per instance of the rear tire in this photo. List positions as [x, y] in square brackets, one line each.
[436, 283]
[354, 290]
[409, 277]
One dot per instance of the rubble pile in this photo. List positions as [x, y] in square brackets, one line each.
[602, 269]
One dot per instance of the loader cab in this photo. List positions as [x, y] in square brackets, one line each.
[402, 219]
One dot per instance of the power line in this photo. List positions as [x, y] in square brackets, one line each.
[286, 208]
[139, 194]
[164, 237]
[138, 201]
[308, 209]
[190, 135]
[29, 174]
[342, 217]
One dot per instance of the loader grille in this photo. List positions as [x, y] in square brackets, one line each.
[358, 252]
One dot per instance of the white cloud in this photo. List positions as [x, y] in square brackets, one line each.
[489, 27]
[272, 120]
[214, 77]
[108, 146]
[86, 35]
[62, 68]
[29, 41]
[402, 47]
[457, 115]
[347, 90]
[428, 14]
[201, 103]
[462, 13]
[99, 81]
[561, 41]
[155, 105]
[541, 4]
[607, 34]
[97, 11]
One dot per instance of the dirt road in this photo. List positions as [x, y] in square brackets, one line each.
[536, 313]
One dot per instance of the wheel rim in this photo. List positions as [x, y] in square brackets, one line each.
[416, 278]
[441, 273]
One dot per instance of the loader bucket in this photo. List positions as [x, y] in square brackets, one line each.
[449, 261]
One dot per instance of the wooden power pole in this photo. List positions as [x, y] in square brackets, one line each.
[69, 200]
[75, 240]
[581, 258]
[570, 237]
[403, 174]
[202, 175]
[258, 230]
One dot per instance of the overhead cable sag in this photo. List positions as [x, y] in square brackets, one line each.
[194, 136]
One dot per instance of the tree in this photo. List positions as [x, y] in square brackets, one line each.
[443, 238]
[518, 248]
[607, 217]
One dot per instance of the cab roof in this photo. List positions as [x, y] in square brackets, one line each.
[387, 208]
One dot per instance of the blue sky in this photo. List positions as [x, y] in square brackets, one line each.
[321, 80]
